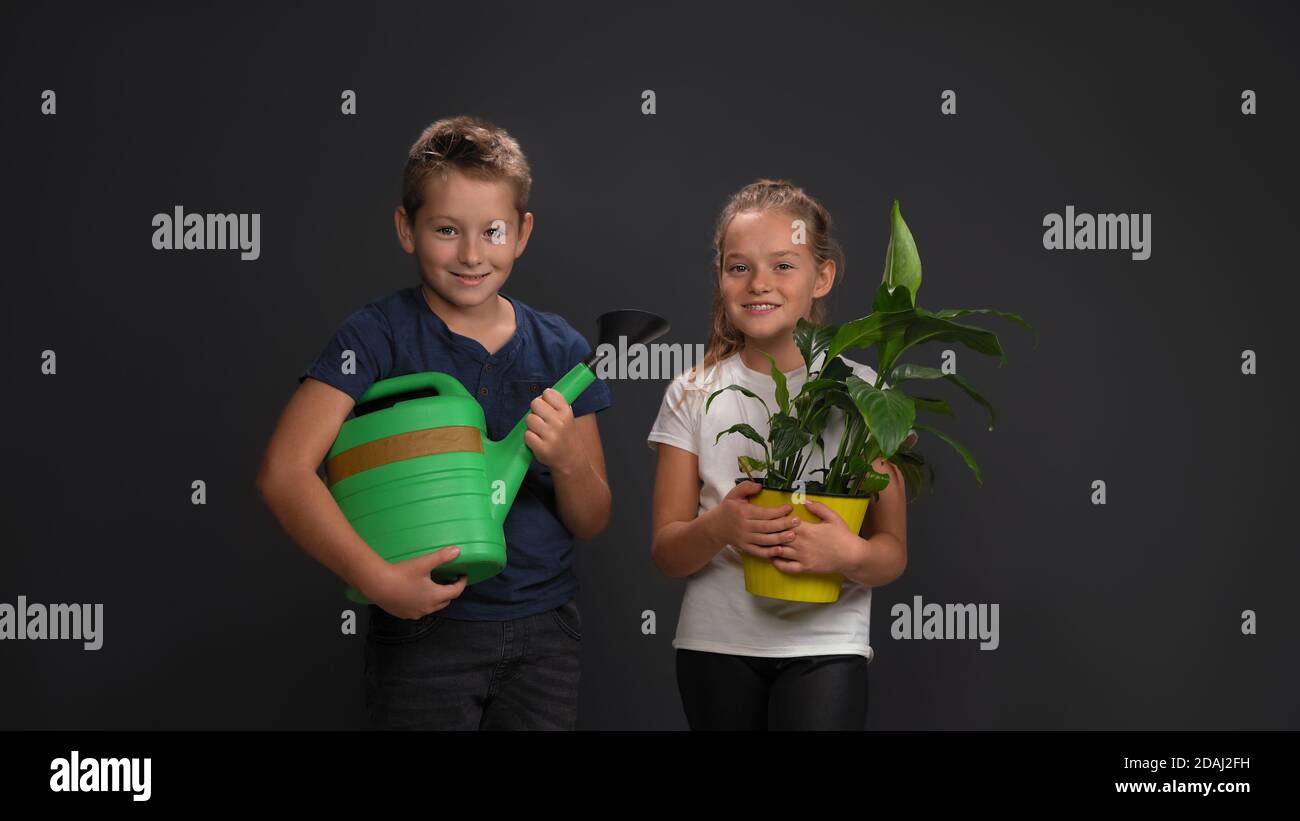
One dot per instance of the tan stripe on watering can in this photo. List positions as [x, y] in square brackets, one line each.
[450, 439]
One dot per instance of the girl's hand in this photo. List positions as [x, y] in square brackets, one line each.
[552, 434]
[749, 528]
[827, 546]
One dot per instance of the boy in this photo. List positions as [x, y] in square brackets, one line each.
[502, 654]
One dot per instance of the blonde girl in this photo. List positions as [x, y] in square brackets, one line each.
[745, 661]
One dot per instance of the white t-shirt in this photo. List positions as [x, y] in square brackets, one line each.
[718, 615]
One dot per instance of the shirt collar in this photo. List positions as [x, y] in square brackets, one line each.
[469, 345]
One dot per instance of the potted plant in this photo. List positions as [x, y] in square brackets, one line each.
[877, 418]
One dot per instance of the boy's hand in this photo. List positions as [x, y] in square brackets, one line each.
[406, 590]
[827, 546]
[552, 435]
[749, 528]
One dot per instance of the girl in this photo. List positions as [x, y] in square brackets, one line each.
[744, 661]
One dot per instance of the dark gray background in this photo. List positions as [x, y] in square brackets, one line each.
[173, 366]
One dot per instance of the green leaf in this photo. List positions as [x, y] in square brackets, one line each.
[782, 391]
[745, 431]
[920, 462]
[909, 478]
[749, 464]
[889, 413]
[740, 388]
[870, 329]
[812, 340]
[874, 481]
[857, 464]
[892, 342]
[817, 419]
[913, 466]
[836, 371]
[902, 262]
[906, 371]
[839, 398]
[787, 437]
[949, 313]
[928, 327]
[812, 403]
[804, 331]
[817, 385]
[959, 447]
[899, 299]
[912, 478]
[932, 405]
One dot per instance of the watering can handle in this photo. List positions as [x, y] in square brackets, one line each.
[444, 384]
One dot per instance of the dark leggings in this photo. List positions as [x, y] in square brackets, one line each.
[725, 692]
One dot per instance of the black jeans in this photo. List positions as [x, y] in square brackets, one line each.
[436, 673]
[724, 692]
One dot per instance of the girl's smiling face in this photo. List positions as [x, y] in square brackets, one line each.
[768, 281]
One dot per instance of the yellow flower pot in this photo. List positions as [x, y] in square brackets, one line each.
[762, 578]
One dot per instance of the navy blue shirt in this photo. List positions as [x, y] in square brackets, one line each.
[401, 334]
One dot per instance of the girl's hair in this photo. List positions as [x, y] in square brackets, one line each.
[473, 145]
[767, 195]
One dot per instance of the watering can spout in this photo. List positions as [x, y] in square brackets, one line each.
[508, 458]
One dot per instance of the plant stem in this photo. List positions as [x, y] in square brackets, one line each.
[851, 423]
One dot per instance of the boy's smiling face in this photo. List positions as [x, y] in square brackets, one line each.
[466, 237]
[767, 280]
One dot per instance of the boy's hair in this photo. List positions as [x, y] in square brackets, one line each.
[471, 145]
[765, 195]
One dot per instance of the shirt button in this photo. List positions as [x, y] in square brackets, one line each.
[482, 391]
[535, 388]
[487, 367]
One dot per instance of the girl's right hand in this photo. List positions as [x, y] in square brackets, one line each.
[752, 529]
[407, 591]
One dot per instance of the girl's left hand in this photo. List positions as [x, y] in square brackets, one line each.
[552, 434]
[827, 546]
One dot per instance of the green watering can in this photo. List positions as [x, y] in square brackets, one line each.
[414, 470]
